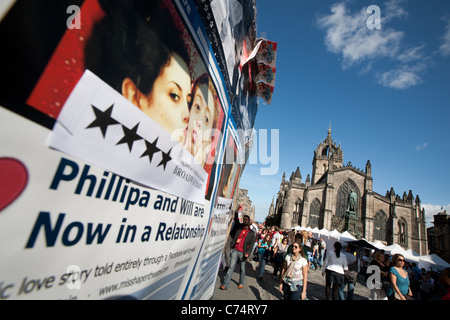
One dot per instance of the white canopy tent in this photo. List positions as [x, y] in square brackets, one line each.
[346, 236]
[330, 238]
[333, 234]
[395, 248]
[323, 232]
[432, 261]
[412, 252]
[427, 261]
[378, 244]
[315, 232]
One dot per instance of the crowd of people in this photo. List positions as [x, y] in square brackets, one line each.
[403, 280]
[293, 254]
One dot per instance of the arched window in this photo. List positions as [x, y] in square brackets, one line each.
[297, 205]
[380, 222]
[296, 214]
[402, 232]
[314, 213]
[342, 198]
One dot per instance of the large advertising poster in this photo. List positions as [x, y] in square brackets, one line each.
[115, 129]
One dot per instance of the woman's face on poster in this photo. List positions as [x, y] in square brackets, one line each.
[202, 115]
[168, 101]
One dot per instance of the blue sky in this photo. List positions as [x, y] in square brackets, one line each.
[385, 91]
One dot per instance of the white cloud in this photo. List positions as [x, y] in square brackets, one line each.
[394, 10]
[445, 46]
[411, 54]
[399, 79]
[422, 146]
[432, 210]
[347, 35]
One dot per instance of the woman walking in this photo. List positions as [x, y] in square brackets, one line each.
[263, 254]
[400, 289]
[334, 266]
[294, 274]
[279, 254]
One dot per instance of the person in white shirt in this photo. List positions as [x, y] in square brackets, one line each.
[294, 274]
[276, 238]
[334, 266]
[323, 247]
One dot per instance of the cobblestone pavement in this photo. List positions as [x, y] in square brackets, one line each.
[267, 288]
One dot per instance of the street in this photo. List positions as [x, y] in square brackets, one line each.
[267, 288]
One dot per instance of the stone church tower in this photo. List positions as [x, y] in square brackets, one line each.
[325, 152]
[322, 201]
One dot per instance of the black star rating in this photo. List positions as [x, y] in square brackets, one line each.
[103, 119]
[130, 136]
[166, 158]
[151, 149]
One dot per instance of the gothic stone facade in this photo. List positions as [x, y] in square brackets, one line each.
[439, 236]
[243, 199]
[322, 201]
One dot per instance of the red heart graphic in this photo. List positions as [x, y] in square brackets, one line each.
[13, 180]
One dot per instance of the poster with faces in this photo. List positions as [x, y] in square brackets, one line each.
[113, 120]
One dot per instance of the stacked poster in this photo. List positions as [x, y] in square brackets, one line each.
[119, 155]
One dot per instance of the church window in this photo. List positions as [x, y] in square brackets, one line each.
[402, 232]
[380, 221]
[296, 214]
[314, 213]
[295, 217]
[297, 206]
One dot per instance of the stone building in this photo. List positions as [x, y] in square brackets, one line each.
[243, 199]
[341, 197]
[439, 236]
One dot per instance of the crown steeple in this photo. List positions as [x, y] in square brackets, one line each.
[326, 150]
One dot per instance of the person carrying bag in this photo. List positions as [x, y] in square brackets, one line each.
[294, 274]
[400, 289]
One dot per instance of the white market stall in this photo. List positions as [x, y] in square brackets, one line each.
[316, 233]
[427, 262]
[433, 262]
[346, 237]
[378, 244]
[396, 249]
[323, 232]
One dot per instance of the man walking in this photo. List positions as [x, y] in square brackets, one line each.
[242, 241]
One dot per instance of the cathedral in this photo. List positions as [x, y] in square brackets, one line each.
[340, 197]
